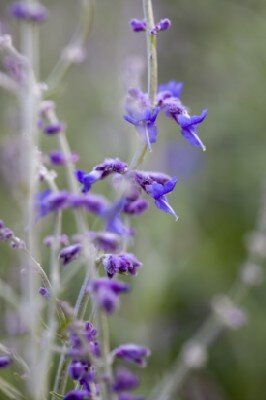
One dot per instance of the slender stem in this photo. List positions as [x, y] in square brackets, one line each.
[152, 62]
[151, 51]
[29, 106]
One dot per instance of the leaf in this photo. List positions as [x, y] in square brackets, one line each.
[56, 395]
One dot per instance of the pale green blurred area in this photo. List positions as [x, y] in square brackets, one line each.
[217, 48]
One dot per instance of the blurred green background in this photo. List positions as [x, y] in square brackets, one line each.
[217, 48]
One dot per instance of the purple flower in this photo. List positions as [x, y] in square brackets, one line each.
[123, 263]
[48, 201]
[6, 234]
[5, 361]
[51, 129]
[144, 122]
[189, 127]
[93, 203]
[125, 380]
[113, 221]
[78, 370]
[56, 157]
[171, 89]
[29, 12]
[136, 207]
[77, 395]
[157, 185]
[132, 353]
[105, 241]
[162, 25]
[70, 253]
[138, 25]
[100, 172]
[106, 293]
[44, 292]
[168, 99]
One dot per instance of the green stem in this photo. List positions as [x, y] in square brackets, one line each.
[151, 51]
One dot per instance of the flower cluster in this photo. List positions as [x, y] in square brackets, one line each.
[141, 114]
[110, 243]
[29, 12]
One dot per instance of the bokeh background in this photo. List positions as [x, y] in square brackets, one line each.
[217, 48]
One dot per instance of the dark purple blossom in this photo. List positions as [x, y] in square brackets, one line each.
[51, 129]
[106, 293]
[123, 263]
[162, 25]
[132, 353]
[77, 395]
[125, 380]
[5, 361]
[138, 25]
[44, 292]
[78, 369]
[30, 12]
[56, 157]
[157, 186]
[100, 172]
[70, 253]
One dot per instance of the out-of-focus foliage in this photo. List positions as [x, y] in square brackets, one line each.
[217, 48]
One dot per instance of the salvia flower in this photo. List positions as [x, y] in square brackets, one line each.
[5, 361]
[123, 263]
[93, 203]
[137, 207]
[57, 158]
[138, 25]
[105, 241]
[157, 186]
[48, 201]
[170, 89]
[77, 395]
[168, 99]
[101, 171]
[113, 221]
[106, 293]
[162, 25]
[189, 127]
[125, 380]
[132, 353]
[29, 12]
[70, 253]
[145, 122]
